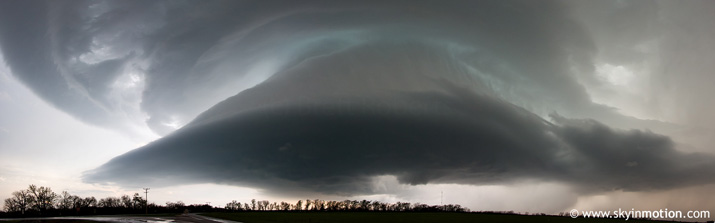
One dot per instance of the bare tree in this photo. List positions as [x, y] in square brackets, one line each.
[375, 205]
[20, 201]
[44, 197]
[11, 205]
[110, 202]
[318, 205]
[345, 205]
[263, 205]
[285, 206]
[307, 204]
[126, 201]
[364, 205]
[138, 201]
[89, 202]
[64, 201]
[299, 205]
[77, 202]
[354, 205]
[233, 205]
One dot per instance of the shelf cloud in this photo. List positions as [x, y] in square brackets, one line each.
[324, 96]
[333, 123]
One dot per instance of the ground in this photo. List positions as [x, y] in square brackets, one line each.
[319, 217]
[396, 217]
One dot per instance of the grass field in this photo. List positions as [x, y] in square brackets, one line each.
[406, 217]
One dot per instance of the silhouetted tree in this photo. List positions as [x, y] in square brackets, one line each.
[138, 201]
[318, 205]
[179, 205]
[345, 205]
[331, 205]
[27, 200]
[11, 205]
[375, 206]
[64, 201]
[20, 201]
[109, 202]
[299, 205]
[234, 205]
[77, 202]
[264, 205]
[307, 204]
[126, 201]
[44, 197]
[285, 206]
[89, 202]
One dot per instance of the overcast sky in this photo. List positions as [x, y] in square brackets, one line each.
[538, 106]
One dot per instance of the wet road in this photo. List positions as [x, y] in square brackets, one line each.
[184, 218]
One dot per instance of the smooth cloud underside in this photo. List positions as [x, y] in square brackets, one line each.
[330, 124]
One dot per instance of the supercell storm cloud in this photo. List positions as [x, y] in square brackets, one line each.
[323, 96]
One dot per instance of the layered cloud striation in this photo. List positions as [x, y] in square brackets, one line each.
[323, 96]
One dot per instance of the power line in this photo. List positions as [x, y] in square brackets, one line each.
[146, 199]
[441, 199]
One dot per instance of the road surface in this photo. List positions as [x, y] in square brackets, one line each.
[184, 218]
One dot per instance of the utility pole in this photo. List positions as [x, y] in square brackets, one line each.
[146, 199]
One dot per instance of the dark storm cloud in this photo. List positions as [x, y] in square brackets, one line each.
[49, 47]
[330, 124]
[609, 159]
[324, 95]
[72, 55]
[25, 44]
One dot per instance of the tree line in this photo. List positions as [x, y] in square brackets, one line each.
[346, 205]
[42, 201]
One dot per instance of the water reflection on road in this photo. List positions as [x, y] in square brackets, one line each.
[184, 218]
